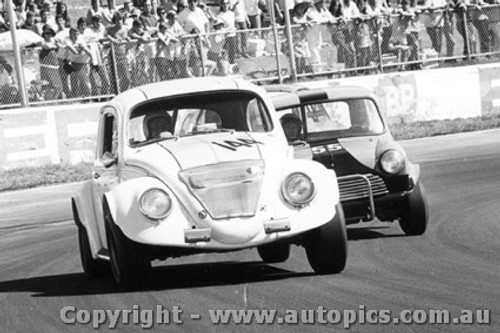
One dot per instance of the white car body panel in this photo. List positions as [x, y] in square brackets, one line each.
[158, 165]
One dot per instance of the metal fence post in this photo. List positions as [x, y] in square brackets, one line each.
[276, 45]
[288, 34]
[466, 34]
[379, 46]
[17, 56]
[114, 69]
[199, 44]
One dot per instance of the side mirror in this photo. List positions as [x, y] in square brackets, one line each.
[108, 159]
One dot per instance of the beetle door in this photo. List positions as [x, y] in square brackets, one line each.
[105, 173]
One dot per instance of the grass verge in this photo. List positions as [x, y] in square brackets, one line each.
[23, 178]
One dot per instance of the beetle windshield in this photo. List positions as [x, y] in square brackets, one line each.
[340, 118]
[186, 115]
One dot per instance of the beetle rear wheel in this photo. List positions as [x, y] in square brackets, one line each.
[274, 252]
[129, 265]
[416, 215]
[326, 246]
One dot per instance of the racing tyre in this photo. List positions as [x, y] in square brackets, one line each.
[274, 252]
[91, 266]
[129, 265]
[415, 217]
[326, 246]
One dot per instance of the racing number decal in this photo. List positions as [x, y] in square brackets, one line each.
[235, 144]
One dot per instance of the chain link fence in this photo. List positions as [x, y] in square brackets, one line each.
[400, 41]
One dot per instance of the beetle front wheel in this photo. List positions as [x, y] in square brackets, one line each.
[129, 265]
[326, 246]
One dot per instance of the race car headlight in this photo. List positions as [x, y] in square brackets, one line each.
[298, 189]
[155, 204]
[392, 161]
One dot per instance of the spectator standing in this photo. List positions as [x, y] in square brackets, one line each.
[463, 23]
[162, 16]
[96, 9]
[363, 39]
[434, 22]
[118, 35]
[62, 10]
[194, 21]
[140, 58]
[167, 52]
[46, 19]
[351, 12]
[99, 75]
[228, 18]
[254, 13]
[318, 16]
[148, 20]
[77, 65]
[175, 32]
[193, 17]
[301, 50]
[62, 34]
[217, 53]
[242, 24]
[49, 65]
[408, 15]
[29, 23]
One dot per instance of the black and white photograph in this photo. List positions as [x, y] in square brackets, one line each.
[249, 166]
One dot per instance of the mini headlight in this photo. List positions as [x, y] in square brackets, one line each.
[392, 161]
[298, 189]
[155, 204]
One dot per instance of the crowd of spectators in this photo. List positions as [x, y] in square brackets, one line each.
[178, 38]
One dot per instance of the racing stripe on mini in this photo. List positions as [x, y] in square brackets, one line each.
[308, 96]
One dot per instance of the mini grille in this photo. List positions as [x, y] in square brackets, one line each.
[353, 187]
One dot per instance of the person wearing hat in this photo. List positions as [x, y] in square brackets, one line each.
[49, 64]
[216, 51]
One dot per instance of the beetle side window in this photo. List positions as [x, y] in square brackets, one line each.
[110, 135]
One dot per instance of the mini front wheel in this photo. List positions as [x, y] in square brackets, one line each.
[415, 217]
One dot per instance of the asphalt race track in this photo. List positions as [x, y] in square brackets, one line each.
[454, 266]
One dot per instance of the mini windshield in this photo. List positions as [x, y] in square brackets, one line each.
[200, 114]
[341, 118]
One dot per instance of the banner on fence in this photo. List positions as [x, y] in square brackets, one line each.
[67, 134]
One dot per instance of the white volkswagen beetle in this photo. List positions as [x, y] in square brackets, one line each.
[201, 165]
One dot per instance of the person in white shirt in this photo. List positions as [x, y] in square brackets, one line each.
[99, 76]
[254, 13]
[318, 16]
[193, 18]
[228, 18]
[242, 23]
[194, 21]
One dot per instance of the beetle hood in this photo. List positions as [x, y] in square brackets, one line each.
[212, 149]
